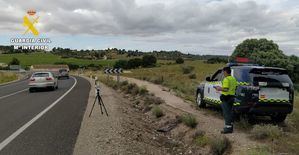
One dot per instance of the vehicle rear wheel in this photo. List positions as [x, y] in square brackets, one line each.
[199, 100]
[279, 118]
[52, 88]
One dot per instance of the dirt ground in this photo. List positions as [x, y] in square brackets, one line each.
[127, 129]
[130, 129]
[211, 125]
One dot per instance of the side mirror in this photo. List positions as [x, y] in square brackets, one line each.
[208, 78]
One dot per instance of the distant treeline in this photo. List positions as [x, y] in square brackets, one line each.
[113, 53]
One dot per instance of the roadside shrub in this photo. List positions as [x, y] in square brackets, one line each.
[187, 69]
[260, 132]
[219, 145]
[149, 99]
[157, 111]
[179, 60]
[192, 76]
[124, 83]
[132, 88]
[189, 120]
[200, 138]
[143, 90]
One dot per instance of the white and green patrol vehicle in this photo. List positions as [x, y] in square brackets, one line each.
[266, 91]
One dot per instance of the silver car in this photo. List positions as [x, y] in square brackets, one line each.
[43, 80]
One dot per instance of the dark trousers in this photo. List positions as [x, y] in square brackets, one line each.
[227, 109]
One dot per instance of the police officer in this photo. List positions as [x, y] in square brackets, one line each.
[228, 90]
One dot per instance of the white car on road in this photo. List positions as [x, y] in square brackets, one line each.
[43, 80]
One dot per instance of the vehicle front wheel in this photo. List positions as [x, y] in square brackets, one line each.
[279, 118]
[31, 90]
[199, 100]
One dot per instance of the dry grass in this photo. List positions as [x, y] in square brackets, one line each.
[189, 120]
[260, 132]
[220, 145]
[157, 111]
[7, 77]
[171, 76]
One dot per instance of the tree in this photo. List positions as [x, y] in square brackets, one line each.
[179, 60]
[14, 61]
[134, 63]
[266, 52]
[121, 64]
[149, 61]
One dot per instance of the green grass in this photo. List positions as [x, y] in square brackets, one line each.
[157, 111]
[7, 77]
[172, 76]
[48, 58]
[189, 120]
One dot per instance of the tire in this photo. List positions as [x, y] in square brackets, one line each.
[31, 90]
[199, 100]
[279, 118]
[52, 88]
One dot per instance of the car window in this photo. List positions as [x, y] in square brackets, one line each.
[40, 75]
[62, 70]
[217, 76]
[242, 75]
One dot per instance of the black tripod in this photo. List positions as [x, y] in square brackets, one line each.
[100, 102]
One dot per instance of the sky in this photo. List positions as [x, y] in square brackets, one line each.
[190, 26]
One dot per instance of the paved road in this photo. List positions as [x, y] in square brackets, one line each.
[46, 122]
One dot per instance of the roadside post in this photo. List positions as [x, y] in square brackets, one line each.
[116, 71]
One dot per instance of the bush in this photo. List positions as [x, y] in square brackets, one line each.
[192, 76]
[179, 60]
[121, 64]
[187, 69]
[260, 132]
[14, 61]
[132, 88]
[134, 63]
[143, 90]
[153, 100]
[219, 145]
[189, 120]
[149, 61]
[200, 138]
[157, 111]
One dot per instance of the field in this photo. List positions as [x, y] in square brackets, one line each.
[48, 58]
[7, 77]
[171, 75]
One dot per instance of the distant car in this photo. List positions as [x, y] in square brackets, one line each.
[266, 91]
[63, 73]
[42, 80]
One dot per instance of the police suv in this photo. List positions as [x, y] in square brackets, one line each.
[266, 91]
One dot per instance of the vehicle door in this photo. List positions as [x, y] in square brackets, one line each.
[210, 92]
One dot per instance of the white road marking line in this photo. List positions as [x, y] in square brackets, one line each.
[25, 126]
[2, 97]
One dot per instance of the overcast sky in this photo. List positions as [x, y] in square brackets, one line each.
[194, 26]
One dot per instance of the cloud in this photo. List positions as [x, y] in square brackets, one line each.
[196, 25]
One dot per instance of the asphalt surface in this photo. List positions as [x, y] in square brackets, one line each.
[56, 131]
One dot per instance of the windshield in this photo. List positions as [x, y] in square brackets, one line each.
[40, 75]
